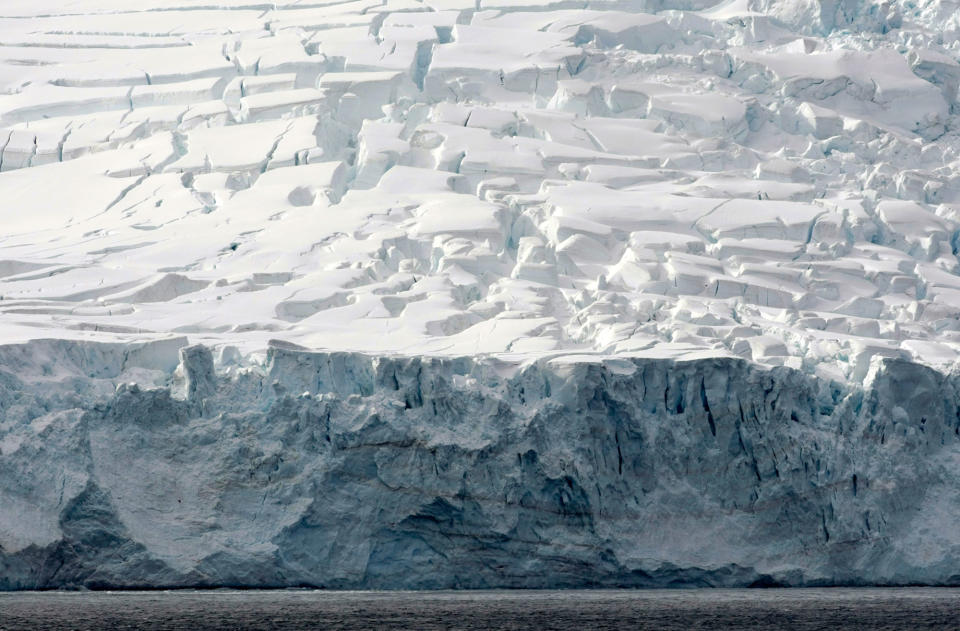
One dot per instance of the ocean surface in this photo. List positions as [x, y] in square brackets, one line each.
[561, 610]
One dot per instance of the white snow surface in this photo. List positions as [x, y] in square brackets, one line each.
[763, 179]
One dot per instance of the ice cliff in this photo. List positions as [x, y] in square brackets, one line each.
[345, 470]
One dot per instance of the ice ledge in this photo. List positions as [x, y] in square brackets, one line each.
[159, 464]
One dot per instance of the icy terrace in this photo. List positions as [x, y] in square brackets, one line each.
[766, 179]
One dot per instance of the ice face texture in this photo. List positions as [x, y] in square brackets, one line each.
[351, 471]
[623, 292]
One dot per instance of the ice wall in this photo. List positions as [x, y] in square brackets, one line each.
[144, 465]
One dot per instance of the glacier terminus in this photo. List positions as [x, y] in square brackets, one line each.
[429, 294]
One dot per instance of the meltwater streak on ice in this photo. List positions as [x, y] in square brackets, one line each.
[784, 610]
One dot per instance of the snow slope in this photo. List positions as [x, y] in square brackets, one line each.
[476, 291]
[768, 180]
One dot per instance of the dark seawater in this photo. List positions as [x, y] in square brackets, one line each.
[574, 610]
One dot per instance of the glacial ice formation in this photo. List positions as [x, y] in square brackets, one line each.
[436, 293]
[768, 180]
[343, 470]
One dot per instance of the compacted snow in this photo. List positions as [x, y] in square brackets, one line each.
[767, 180]
[440, 293]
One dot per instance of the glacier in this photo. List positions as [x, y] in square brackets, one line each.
[775, 181]
[479, 293]
[345, 470]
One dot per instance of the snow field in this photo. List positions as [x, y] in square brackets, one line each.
[773, 181]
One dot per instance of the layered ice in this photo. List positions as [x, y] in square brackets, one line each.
[617, 292]
[141, 465]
